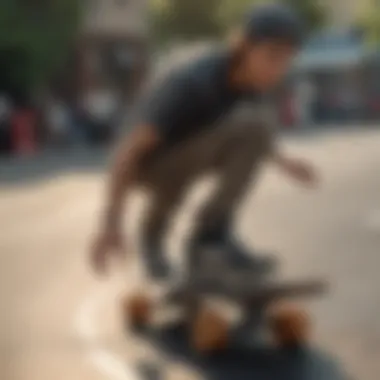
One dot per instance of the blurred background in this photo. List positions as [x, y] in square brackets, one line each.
[70, 71]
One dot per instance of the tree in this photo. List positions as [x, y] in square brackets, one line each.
[186, 19]
[311, 11]
[231, 12]
[194, 19]
[36, 36]
[369, 23]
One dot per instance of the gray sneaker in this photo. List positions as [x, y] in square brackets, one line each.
[157, 264]
[240, 259]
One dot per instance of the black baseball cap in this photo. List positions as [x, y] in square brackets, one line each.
[274, 22]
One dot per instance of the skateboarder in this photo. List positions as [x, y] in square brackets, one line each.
[187, 126]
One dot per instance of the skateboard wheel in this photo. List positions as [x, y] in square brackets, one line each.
[209, 332]
[290, 326]
[138, 310]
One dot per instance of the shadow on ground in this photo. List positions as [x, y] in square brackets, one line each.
[48, 165]
[241, 362]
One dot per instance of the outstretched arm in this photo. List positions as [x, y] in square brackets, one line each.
[296, 169]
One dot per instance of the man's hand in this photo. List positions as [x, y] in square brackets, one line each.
[299, 170]
[302, 172]
[108, 242]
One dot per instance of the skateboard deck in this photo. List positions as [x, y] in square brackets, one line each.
[248, 292]
[253, 291]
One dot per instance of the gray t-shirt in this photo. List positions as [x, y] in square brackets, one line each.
[191, 98]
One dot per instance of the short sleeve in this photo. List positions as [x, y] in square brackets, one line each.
[169, 103]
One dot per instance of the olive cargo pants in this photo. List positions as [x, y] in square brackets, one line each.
[234, 151]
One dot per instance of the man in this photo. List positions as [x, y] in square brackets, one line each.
[185, 128]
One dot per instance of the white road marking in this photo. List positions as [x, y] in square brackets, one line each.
[85, 324]
[111, 366]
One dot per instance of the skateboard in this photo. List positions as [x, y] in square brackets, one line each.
[260, 298]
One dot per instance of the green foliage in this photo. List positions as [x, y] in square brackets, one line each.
[192, 19]
[231, 12]
[186, 19]
[41, 32]
[370, 24]
[311, 11]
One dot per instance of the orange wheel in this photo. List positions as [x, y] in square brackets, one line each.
[138, 310]
[209, 331]
[290, 326]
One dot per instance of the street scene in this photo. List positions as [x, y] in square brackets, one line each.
[135, 100]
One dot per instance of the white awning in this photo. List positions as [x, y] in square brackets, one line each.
[330, 59]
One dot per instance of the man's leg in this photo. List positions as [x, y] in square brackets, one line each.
[154, 227]
[167, 176]
[242, 155]
[232, 150]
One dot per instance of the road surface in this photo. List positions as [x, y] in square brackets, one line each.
[60, 322]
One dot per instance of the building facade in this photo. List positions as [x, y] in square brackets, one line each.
[112, 48]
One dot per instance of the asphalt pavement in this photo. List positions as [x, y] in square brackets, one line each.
[59, 321]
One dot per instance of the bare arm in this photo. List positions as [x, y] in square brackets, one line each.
[296, 169]
[123, 172]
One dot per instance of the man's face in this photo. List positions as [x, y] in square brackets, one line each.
[267, 63]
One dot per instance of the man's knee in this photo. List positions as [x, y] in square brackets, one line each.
[251, 125]
[247, 138]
